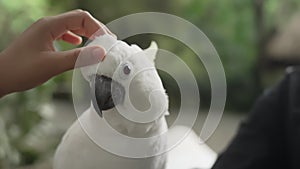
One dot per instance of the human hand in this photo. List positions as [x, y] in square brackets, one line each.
[32, 60]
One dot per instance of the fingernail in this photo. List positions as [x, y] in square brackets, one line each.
[98, 53]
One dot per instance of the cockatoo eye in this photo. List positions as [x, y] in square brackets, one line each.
[126, 69]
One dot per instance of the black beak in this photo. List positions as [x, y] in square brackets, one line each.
[106, 93]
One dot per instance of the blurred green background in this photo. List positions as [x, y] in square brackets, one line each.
[243, 32]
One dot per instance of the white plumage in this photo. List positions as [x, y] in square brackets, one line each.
[78, 148]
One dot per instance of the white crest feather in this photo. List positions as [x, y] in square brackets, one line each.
[151, 51]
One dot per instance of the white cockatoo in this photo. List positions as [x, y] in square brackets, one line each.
[125, 125]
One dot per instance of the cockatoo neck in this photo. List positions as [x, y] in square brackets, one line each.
[130, 128]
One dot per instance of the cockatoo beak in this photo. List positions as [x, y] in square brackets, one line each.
[106, 93]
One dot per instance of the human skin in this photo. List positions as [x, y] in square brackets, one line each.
[31, 59]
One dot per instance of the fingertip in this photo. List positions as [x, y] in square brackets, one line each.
[78, 41]
[71, 38]
[90, 55]
[98, 53]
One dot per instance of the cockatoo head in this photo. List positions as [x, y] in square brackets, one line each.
[127, 80]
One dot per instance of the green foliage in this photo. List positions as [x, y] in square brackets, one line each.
[230, 27]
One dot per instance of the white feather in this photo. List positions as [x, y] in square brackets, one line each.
[191, 153]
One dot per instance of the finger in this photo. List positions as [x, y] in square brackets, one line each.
[79, 57]
[99, 32]
[77, 21]
[71, 38]
[104, 26]
[102, 31]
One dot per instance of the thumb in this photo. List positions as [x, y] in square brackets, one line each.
[80, 57]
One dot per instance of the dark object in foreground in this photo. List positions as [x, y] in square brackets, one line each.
[270, 136]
